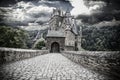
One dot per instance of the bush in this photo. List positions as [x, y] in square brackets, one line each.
[40, 45]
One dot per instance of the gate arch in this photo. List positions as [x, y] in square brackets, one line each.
[55, 47]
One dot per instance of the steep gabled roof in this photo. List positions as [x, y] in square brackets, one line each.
[53, 33]
[74, 30]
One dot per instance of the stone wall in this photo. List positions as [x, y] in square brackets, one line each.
[101, 61]
[12, 54]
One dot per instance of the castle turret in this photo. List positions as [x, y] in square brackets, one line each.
[79, 38]
[55, 21]
[67, 14]
[56, 12]
[68, 18]
[74, 26]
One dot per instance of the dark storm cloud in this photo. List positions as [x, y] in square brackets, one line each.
[12, 2]
[89, 11]
[62, 4]
[24, 12]
[110, 10]
[57, 0]
[6, 3]
[114, 2]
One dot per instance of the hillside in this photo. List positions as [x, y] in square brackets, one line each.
[105, 38]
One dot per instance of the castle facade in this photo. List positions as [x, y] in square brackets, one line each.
[63, 33]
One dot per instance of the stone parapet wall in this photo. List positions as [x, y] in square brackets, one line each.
[105, 62]
[14, 54]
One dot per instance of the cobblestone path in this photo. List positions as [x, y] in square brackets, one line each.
[47, 67]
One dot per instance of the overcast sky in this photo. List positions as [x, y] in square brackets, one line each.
[94, 12]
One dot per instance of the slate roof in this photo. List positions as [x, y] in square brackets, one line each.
[74, 30]
[53, 33]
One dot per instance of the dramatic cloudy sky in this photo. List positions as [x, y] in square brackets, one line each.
[26, 12]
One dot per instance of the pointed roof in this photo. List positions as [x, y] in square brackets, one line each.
[52, 33]
[74, 28]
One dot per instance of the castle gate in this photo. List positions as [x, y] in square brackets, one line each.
[55, 44]
[55, 47]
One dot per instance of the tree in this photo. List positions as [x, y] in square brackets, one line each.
[12, 37]
[40, 45]
[105, 38]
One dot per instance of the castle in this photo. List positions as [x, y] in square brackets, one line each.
[63, 33]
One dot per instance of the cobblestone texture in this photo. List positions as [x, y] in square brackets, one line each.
[52, 66]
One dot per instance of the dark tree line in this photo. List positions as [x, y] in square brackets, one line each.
[13, 37]
[106, 38]
[102, 38]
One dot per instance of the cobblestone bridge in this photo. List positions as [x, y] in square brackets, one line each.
[52, 66]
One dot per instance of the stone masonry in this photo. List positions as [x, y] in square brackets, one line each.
[25, 64]
[51, 66]
[104, 62]
[12, 54]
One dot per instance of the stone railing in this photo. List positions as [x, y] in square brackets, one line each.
[12, 54]
[105, 62]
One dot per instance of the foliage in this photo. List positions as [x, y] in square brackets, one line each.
[106, 38]
[40, 45]
[12, 37]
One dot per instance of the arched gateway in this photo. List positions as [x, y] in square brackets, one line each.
[55, 44]
[55, 41]
[55, 47]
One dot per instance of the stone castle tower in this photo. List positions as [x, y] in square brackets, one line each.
[62, 33]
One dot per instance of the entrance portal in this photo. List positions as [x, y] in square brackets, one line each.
[55, 47]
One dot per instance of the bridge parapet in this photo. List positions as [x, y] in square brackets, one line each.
[14, 54]
[105, 62]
